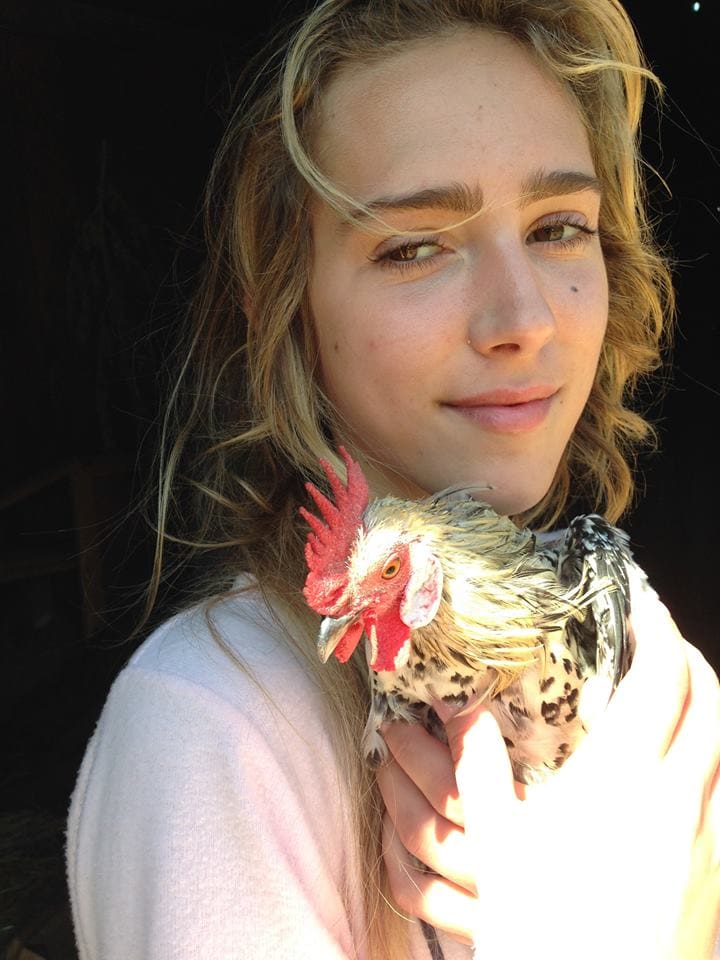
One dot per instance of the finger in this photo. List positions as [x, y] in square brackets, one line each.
[422, 894]
[429, 837]
[428, 763]
[694, 754]
[711, 816]
[483, 773]
[643, 716]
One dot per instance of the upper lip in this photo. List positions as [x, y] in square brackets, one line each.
[506, 396]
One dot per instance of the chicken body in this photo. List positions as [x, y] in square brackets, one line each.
[457, 603]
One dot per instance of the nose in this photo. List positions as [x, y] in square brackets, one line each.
[510, 312]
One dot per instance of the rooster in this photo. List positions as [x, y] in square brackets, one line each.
[457, 604]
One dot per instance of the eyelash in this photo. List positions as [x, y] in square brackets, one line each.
[385, 260]
[582, 236]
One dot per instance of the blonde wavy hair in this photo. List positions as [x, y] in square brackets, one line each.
[247, 419]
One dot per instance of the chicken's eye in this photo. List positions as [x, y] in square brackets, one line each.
[391, 568]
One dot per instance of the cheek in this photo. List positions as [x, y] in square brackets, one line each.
[355, 374]
[386, 341]
[584, 308]
[352, 358]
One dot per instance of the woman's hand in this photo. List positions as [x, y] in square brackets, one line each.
[617, 854]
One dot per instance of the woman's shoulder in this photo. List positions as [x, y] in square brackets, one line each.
[226, 672]
[216, 687]
[237, 647]
[206, 783]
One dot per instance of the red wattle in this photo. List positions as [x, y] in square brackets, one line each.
[391, 634]
[351, 638]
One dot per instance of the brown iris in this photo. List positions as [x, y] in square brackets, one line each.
[391, 568]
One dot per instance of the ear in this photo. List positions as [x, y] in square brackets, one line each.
[423, 591]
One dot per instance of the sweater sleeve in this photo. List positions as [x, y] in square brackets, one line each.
[198, 830]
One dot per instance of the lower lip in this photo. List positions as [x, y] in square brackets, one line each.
[509, 418]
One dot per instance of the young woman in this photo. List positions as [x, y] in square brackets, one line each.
[426, 241]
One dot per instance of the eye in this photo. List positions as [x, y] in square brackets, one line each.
[552, 232]
[412, 254]
[561, 232]
[391, 568]
[421, 250]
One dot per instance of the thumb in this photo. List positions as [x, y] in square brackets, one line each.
[482, 767]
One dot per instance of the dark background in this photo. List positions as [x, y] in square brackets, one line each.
[110, 113]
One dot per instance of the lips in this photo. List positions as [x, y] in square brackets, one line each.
[506, 396]
[508, 409]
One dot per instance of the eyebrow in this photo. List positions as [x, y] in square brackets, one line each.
[556, 183]
[465, 200]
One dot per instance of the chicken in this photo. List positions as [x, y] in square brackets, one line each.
[457, 603]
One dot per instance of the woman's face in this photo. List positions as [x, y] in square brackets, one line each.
[463, 354]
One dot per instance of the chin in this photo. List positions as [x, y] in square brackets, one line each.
[510, 503]
[505, 495]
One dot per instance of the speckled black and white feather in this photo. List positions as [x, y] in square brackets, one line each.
[570, 596]
[458, 604]
[537, 627]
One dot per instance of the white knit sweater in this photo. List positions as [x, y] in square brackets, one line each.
[208, 823]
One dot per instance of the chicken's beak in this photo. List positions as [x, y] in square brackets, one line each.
[339, 636]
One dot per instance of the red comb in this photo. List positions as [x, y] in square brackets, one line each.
[328, 544]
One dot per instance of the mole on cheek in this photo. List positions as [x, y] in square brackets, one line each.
[574, 289]
[336, 347]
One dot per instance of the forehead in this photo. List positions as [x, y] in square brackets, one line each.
[457, 105]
